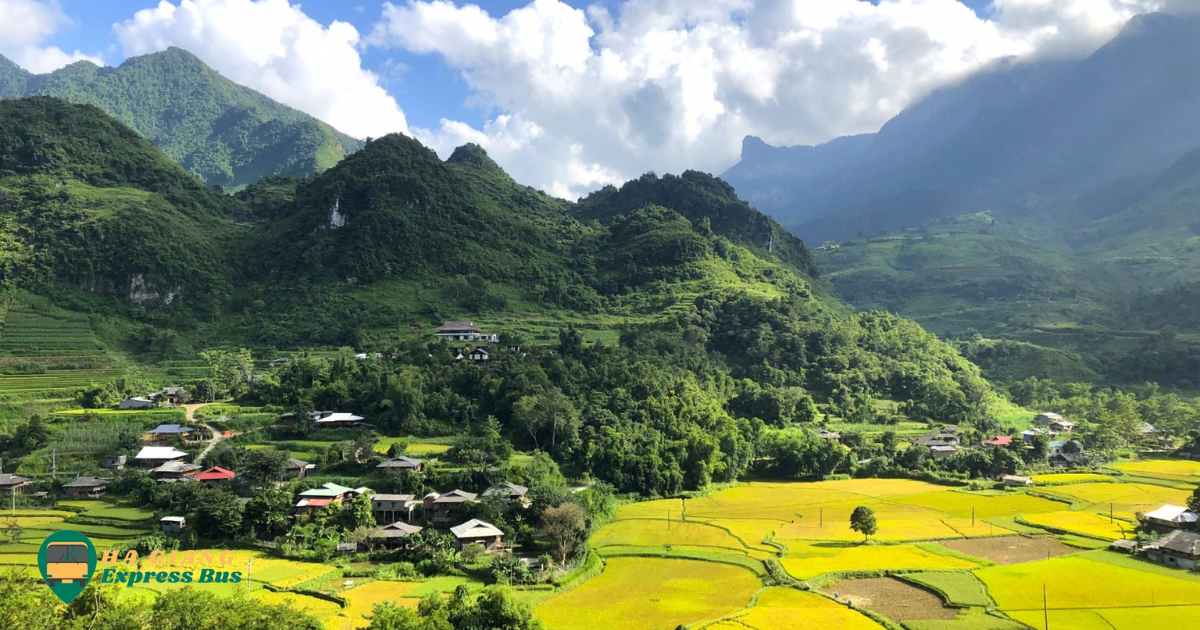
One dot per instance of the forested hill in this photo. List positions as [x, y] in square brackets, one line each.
[221, 132]
[88, 203]
[701, 198]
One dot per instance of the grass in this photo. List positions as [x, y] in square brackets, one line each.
[970, 619]
[644, 594]
[789, 609]
[688, 553]
[102, 509]
[957, 588]
[805, 560]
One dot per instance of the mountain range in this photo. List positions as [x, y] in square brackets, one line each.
[1051, 202]
[221, 132]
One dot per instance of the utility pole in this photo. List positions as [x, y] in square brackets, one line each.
[1045, 609]
[668, 520]
[249, 571]
[972, 517]
[1110, 513]
[54, 464]
[822, 517]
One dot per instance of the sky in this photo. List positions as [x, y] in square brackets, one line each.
[570, 95]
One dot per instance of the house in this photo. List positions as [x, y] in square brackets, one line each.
[1065, 460]
[932, 441]
[401, 464]
[13, 483]
[1029, 435]
[280, 362]
[509, 493]
[362, 356]
[942, 452]
[175, 471]
[1017, 481]
[1060, 446]
[1176, 549]
[317, 498]
[114, 462]
[950, 428]
[1046, 419]
[336, 419]
[392, 536]
[173, 396]
[154, 456]
[172, 524]
[388, 507]
[137, 403]
[215, 475]
[477, 531]
[165, 432]
[1062, 426]
[86, 488]
[1170, 517]
[439, 506]
[999, 441]
[346, 548]
[1124, 546]
[464, 331]
[829, 435]
[298, 468]
[1148, 430]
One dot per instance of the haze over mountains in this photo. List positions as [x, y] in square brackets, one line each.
[221, 132]
[1056, 203]
[1046, 139]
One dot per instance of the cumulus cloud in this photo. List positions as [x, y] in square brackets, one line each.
[25, 25]
[593, 97]
[275, 48]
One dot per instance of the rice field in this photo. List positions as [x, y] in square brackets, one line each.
[1085, 523]
[1168, 469]
[645, 594]
[362, 599]
[1123, 499]
[790, 609]
[1079, 582]
[958, 588]
[1058, 479]
[807, 560]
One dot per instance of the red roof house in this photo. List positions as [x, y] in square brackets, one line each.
[215, 474]
[999, 440]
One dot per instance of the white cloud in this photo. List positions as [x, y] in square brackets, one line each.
[25, 25]
[275, 48]
[593, 97]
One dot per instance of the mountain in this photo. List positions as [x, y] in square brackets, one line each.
[89, 204]
[221, 132]
[1022, 139]
[701, 197]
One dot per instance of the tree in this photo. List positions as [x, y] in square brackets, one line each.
[563, 526]
[265, 465]
[362, 514]
[1194, 500]
[229, 371]
[862, 520]
[218, 514]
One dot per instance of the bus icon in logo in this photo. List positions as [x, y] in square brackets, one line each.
[67, 561]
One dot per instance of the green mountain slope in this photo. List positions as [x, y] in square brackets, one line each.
[701, 198]
[219, 131]
[88, 203]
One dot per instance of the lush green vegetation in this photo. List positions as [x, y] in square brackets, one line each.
[221, 132]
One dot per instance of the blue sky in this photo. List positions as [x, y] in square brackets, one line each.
[568, 99]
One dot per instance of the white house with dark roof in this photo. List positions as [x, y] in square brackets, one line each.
[440, 506]
[477, 531]
[401, 464]
[155, 456]
[464, 331]
[508, 492]
[390, 507]
[392, 536]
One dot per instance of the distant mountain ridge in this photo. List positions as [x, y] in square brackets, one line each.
[220, 132]
[1018, 138]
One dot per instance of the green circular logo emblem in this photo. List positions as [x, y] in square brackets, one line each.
[67, 560]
